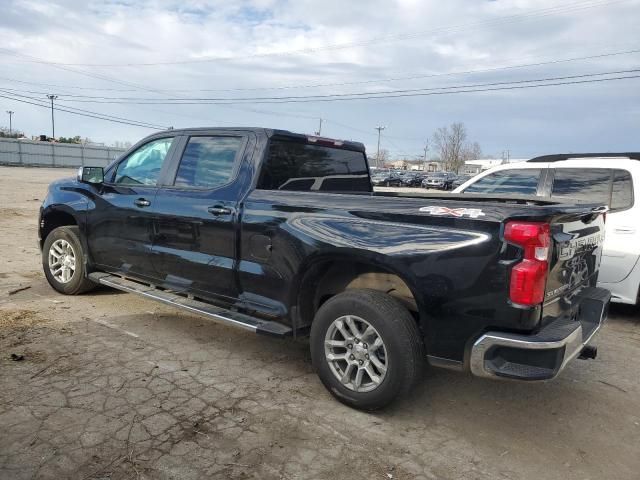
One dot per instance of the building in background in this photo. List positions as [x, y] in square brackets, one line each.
[473, 167]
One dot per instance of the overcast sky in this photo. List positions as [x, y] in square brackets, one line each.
[257, 48]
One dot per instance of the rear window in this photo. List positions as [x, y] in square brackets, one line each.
[302, 167]
[622, 192]
[515, 182]
[588, 185]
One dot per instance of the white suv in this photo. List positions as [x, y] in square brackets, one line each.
[609, 178]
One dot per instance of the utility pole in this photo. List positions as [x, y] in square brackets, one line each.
[319, 129]
[53, 123]
[426, 149]
[379, 128]
[10, 112]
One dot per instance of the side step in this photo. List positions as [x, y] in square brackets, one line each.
[221, 315]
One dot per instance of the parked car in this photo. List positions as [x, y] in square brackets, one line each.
[439, 180]
[281, 234]
[610, 178]
[460, 179]
[389, 180]
[413, 180]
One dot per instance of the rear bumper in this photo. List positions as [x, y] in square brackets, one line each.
[543, 355]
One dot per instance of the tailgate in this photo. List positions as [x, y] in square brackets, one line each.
[575, 255]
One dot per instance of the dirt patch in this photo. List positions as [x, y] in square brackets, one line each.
[18, 321]
[26, 355]
[8, 213]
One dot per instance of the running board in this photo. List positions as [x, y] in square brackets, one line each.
[219, 314]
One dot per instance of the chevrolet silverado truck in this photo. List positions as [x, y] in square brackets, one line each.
[282, 234]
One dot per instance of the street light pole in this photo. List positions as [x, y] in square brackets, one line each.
[10, 112]
[53, 123]
[379, 128]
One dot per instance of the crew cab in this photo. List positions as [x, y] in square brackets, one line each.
[610, 178]
[282, 234]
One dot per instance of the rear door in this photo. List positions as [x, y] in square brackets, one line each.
[196, 216]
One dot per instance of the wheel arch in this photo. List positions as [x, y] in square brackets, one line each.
[57, 216]
[325, 277]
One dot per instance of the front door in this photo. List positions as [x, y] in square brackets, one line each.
[120, 226]
[197, 217]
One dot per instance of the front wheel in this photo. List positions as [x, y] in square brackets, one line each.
[63, 261]
[366, 348]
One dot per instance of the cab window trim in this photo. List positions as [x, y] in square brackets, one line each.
[172, 171]
[113, 169]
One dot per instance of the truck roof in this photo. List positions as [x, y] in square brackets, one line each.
[274, 132]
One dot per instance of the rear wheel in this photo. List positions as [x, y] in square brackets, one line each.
[63, 261]
[366, 348]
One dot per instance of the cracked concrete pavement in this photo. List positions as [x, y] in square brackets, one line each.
[113, 386]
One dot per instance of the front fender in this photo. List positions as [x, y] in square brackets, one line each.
[66, 203]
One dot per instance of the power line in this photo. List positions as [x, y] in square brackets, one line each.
[339, 84]
[329, 97]
[97, 115]
[533, 14]
[516, 87]
[151, 125]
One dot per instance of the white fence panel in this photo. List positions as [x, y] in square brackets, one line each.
[45, 154]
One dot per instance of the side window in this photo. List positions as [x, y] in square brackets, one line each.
[515, 182]
[622, 192]
[143, 166]
[207, 162]
[591, 185]
[303, 167]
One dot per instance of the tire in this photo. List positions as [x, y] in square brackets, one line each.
[72, 280]
[402, 348]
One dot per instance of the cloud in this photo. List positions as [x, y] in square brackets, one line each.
[385, 39]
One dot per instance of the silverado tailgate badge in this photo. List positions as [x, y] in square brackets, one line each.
[454, 212]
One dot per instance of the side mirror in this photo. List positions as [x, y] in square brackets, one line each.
[94, 175]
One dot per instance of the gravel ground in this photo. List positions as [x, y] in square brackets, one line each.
[113, 386]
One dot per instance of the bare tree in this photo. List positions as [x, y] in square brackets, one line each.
[4, 133]
[453, 148]
[473, 151]
[384, 157]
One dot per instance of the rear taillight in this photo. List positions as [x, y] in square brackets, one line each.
[529, 277]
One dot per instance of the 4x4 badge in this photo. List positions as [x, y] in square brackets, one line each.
[454, 212]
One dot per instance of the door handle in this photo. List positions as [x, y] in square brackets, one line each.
[627, 230]
[141, 202]
[219, 210]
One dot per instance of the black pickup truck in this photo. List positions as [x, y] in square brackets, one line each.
[282, 234]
